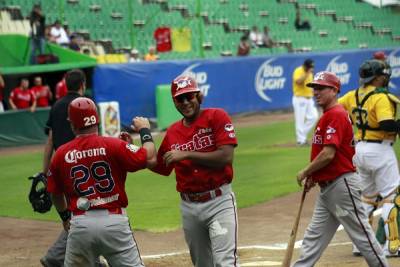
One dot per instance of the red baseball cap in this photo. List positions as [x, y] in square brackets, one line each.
[182, 85]
[380, 55]
[325, 78]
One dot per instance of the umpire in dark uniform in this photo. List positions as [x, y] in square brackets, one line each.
[59, 132]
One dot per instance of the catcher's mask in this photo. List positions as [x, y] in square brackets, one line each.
[38, 195]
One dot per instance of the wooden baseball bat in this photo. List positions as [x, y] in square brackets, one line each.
[289, 250]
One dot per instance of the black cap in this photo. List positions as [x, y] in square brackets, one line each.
[308, 63]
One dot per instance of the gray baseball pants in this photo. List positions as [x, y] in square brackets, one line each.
[211, 230]
[100, 233]
[340, 203]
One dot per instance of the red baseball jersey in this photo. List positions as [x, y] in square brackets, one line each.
[94, 167]
[212, 129]
[22, 98]
[61, 89]
[42, 95]
[334, 128]
[162, 35]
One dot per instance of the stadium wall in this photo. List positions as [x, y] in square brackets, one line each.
[245, 84]
[22, 127]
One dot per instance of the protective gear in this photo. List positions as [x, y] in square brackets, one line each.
[371, 69]
[361, 114]
[394, 242]
[325, 78]
[39, 198]
[182, 85]
[82, 112]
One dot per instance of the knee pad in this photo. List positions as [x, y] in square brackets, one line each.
[393, 229]
[392, 221]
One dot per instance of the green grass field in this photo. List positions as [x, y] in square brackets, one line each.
[263, 170]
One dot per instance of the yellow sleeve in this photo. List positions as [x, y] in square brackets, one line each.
[384, 108]
[296, 74]
[344, 101]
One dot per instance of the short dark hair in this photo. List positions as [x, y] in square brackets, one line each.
[75, 79]
[308, 63]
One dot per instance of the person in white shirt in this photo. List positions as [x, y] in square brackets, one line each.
[255, 37]
[58, 33]
[134, 56]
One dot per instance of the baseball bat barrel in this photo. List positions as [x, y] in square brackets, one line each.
[289, 250]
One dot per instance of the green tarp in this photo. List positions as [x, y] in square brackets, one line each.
[23, 127]
[15, 54]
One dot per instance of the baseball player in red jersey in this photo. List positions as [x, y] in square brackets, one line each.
[2, 84]
[339, 201]
[89, 174]
[200, 148]
[61, 89]
[42, 93]
[22, 98]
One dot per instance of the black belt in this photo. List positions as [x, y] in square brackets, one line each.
[325, 183]
[376, 141]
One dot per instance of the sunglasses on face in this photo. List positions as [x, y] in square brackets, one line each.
[188, 97]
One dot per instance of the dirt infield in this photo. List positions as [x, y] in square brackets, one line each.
[263, 231]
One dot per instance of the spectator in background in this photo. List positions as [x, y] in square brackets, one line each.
[74, 43]
[134, 56]
[37, 38]
[266, 38]
[151, 55]
[244, 46]
[2, 85]
[59, 34]
[61, 89]
[301, 25]
[42, 93]
[255, 37]
[86, 51]
[22, 98]
[48, 36]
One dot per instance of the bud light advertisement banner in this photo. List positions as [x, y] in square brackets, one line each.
[236, 84]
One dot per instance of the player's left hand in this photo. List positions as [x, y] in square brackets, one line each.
[308, 184]
[126, 137]
[174, 156]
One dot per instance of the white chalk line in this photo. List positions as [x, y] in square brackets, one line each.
[276, 246]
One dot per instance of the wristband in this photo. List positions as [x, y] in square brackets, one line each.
[145, 135]
[65, 215]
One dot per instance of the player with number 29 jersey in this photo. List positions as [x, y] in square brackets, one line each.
[95, 167]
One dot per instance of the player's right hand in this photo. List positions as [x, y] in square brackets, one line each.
[139, 123]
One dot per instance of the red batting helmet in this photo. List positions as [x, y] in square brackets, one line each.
[325, 78]
[182, 85]
[82, 112]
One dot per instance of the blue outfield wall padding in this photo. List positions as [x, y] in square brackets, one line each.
[237, 84]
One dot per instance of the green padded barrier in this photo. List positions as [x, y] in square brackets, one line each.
[165, 108]
[28, 130]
